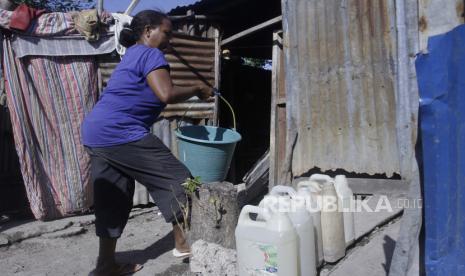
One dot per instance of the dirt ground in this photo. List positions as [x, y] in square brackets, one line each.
[69, 246]
[147, 240]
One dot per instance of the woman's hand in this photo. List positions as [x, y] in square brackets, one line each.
[161, 84]
[204, 92]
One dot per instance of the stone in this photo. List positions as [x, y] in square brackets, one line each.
[215, 211]
[4, 240]
[210, 259]
[18, 234]
[72, 231]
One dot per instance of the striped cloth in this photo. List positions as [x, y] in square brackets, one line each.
[71, 45]
[51, 24]
[54, 23]
[48, 98]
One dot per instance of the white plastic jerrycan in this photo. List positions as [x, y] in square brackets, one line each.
[285, 199]
[332, 222]
[312, 191]
[267, 247]
[346, 196]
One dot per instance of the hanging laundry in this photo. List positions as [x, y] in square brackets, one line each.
[87, 24]
[120, 21]
[22, 17]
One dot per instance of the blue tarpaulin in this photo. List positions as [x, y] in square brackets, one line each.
[441, 80]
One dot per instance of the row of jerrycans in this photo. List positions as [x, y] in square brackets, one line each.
[293, 232]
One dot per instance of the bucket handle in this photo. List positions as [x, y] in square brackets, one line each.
[312, 185]
[216, 93]
[320, 177]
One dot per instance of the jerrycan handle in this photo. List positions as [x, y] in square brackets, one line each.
[281, 189]
[320, 177]
[244, 218]
[312, 185]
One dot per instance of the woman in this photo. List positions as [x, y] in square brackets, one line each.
[116, 135]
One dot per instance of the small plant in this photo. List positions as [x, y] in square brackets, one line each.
[192, 184]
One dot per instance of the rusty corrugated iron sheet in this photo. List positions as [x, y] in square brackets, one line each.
[191, 60]
[437, 17]
[340, 84]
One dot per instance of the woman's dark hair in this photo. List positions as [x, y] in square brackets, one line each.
[130, 34]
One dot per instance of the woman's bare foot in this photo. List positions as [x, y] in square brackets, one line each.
[115, 269]
[106, 264]
[181, 245]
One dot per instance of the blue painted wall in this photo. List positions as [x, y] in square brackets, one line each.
[441, 80]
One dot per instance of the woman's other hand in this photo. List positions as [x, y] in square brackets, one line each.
[205, 92]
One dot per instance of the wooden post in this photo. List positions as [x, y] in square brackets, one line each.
[131, 6]
[216, 113]
[278, 112]
[215, 211]
[99, 7]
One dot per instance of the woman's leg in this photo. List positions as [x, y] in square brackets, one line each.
[152, 164]
[113, 192]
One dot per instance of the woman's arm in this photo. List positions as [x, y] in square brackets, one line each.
[160, 82]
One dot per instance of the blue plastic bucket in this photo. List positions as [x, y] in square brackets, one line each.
[207, 150]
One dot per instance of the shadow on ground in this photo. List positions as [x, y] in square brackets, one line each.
[152, 252]
[155, 250]
[389, 246]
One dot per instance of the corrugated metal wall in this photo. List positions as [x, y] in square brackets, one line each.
[340, 63]
[432, 22]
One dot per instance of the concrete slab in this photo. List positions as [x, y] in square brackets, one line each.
[390, 187]
[372, 258]
[16, 231]
[72, 231]
[367, 216]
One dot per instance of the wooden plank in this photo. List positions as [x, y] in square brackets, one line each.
[179, 41]
[256, 179]
[373, 186]
[99, 7]
[216, 109]
[378, 186]
[192, 75]
[198, 67]
[252, 30]
[131, 6]
[196, 114]
[191, 51]
[276, 121]
[178, 82]
[188, 59]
